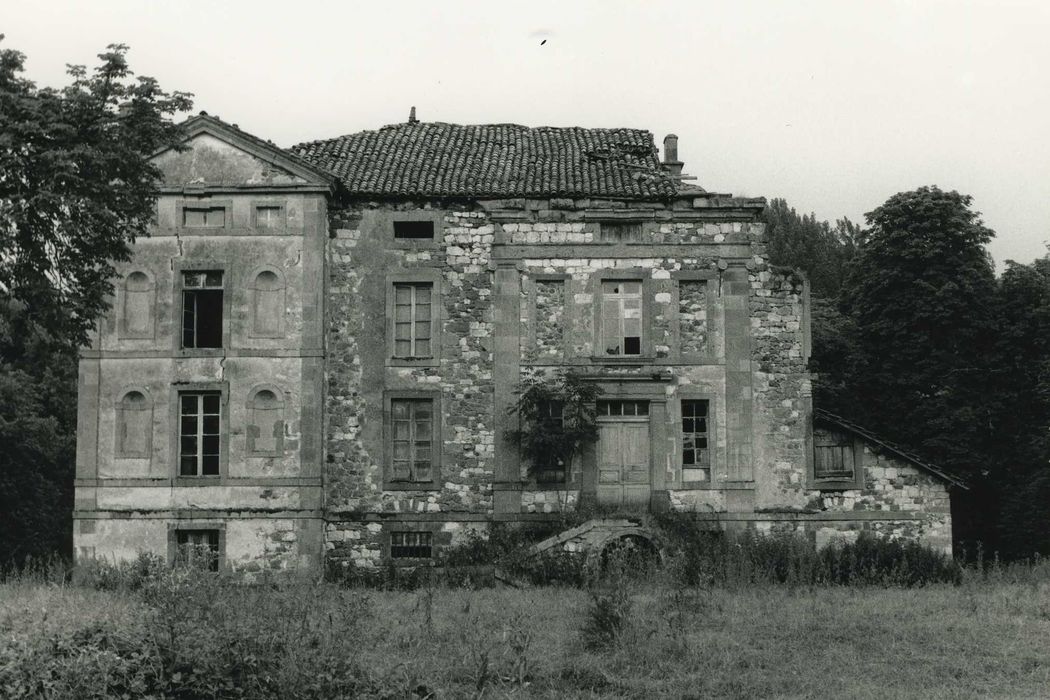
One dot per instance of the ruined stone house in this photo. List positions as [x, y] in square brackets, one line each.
[312, 356]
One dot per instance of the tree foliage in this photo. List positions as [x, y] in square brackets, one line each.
[817, 248]
[76, 187]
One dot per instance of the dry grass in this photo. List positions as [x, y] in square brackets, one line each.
[981, 639]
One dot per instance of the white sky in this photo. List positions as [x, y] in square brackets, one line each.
[834, 105]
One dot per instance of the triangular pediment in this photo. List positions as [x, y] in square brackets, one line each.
[217, 154]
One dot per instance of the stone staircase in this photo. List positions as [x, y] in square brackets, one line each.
[594, 537]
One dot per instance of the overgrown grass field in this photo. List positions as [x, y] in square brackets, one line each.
[190, 636]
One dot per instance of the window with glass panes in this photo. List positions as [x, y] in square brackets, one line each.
[623, 408]
[411, 545]
[551, 419]
[267, 217]
[202, 309]
[696, 453]
[198, 549]
[622, 317]
[412, 319]
[412, 427]
[200, 428]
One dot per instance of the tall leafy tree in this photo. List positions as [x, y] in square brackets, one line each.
[76, 187]
[920, 293]
[816, 247]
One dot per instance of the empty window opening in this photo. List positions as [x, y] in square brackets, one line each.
[832, 456]
[412, 320]
[623, 408]
[621, 232]
[197, 549]
[622, 317]
[202, 309]
[204, 217]
[412, 424]
[696, 452]
[411, 545]
[551, 420]
[414, 230]
[200, 429]
[267, 217]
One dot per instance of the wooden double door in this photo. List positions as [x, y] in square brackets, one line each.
[623, 461]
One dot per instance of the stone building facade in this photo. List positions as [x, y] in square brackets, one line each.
[410, 279]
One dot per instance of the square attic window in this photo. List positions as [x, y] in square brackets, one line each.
[414, 230]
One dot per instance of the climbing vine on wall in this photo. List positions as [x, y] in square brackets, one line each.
[557, 419]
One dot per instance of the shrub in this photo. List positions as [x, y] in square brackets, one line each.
[608, 616]
[133, 575]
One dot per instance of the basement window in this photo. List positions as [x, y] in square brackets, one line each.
[411, 545]
[414, 230]
[204, 217]
[202, 309]
[197, 549]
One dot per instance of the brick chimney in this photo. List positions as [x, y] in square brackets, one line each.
[671, 162]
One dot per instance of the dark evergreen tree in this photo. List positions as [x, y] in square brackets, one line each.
[76, 186]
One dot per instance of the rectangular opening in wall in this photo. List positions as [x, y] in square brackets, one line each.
[412, 428]
[202, 309]
[622, 317]
[268, 217]
[621, 232]
[696, 451]
[197, 549]
[414, 230]
[832, 456]
[692, 316]
[204, 217]
[551, 420]
[200, 433]
[411, 545]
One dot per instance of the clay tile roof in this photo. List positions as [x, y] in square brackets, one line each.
[494, 160]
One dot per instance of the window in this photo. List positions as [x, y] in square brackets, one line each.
[551, 419]
[621, 232]
[832, 456]
[134, 426]
[411, 545]
[198, 549]
[267, 309]
[696, 452]
[204, 217]
[413, 320]
[138, 306]
[623, 408]
[199, 433]
[202, 309]
[266, 423]
[622, 317]
[414, 230]
[412, 428]
[269, 217]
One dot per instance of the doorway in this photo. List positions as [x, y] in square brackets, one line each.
[623, 453]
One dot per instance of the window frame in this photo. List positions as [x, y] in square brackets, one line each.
[620, 225]
[436, 440]
[249, 438]
[433, 278]
[437, 218]
[253, 292]
[182, 205]
[178, 389]
[195, 526]
[438, 540]
[202, 265]
[253, 221]
[711, 292]
[120, 420]
[151, 294]
[712, 442]
[530, 283]
[598, 281]
[566, 468]
[855, 482]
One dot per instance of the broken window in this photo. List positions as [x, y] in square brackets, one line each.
[266, 428]
[197, 549]
[411, 545]
[621, 232]
[267, 305]
[202, 309]
[696, 452]
[134, 426]
[832, 456]
[268, 217]
[412, 428]
[200, 429]
[413, 320]
[622, 317]
[551, 420]
[623, 408]
[204, 217]
[414, 230]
